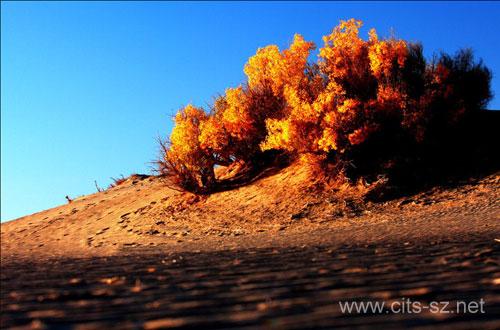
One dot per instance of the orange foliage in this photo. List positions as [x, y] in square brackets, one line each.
[236, 116]
[270, 68]
[185, 135]
[377, 91]
[186, 160]
[386, 55]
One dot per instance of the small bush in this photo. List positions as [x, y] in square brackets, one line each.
[117, 181]
[364, 108]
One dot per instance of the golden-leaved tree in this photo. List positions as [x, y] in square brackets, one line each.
[364, 102]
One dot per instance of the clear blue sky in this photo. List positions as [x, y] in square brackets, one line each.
[88, 86]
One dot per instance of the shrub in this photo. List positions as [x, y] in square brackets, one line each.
[184, 160]
[363, 107]
[116, 181]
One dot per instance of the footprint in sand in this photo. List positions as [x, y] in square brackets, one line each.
[102, 231]
[124, 218]
[142, 209]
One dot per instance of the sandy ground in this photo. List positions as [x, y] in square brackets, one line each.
[280, 207]
[267, 255]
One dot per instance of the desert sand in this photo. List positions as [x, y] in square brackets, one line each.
[266, 255]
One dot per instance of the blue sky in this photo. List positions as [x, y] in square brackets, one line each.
[86, 87]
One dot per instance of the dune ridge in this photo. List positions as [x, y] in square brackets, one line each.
[283, 207]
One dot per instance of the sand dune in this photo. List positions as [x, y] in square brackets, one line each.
[141, 255]
[143, 211]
